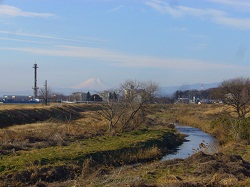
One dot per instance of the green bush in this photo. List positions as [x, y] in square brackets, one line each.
[231, 129]
[245, 130]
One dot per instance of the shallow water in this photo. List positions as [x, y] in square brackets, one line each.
[196, 140]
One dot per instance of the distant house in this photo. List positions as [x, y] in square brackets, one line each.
[96, 97]
[135, 95]
[183, 100]
[78, 97]
[16, 99]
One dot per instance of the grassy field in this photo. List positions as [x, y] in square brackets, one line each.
[69, 146]
[47, 149]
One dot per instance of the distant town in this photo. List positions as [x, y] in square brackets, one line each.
[196, 93]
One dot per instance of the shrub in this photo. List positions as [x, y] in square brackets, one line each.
[231, 129]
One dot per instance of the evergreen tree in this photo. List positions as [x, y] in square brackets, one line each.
[88, 96]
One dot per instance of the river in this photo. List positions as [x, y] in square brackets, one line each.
[196, 140]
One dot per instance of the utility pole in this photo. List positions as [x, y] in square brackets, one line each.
[35, 88]
[46, 93]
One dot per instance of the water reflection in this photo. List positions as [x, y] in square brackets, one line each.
[196, 140]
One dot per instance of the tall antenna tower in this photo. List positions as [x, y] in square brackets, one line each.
[202, 87]
[35, 88]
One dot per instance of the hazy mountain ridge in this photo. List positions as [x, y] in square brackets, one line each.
[168, 91]
[95, 85]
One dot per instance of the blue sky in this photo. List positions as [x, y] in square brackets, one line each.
[170, 42]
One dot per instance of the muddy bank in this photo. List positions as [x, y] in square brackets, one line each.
[198, 170]
[209, 170]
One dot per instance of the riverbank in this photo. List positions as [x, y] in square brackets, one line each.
[225, 168]
[214, 119]
[198, 170]
[59, 163]
[78, 152]
[56, 151]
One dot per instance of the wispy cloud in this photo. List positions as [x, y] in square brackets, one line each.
[218, 16]
[20, 40]
[114, 58]
[6, 10]
[242, 4]
[51, 37]
[163, 7]
[243, 24]
[117, 8]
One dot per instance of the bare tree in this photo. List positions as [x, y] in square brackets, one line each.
[111, 110]
[127, 103]
[45, 93]
[58, 97]
[236, 93]
[135, 95]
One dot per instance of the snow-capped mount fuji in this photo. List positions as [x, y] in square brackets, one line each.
[92, 84]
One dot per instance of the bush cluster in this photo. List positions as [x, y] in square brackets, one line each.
[232, 129]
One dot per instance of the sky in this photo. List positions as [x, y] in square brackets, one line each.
[169, 42]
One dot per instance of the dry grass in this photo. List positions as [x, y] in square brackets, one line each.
[73, 133]
[44, 134]
[141, 154]
[90, 124]
[29, 106]
[199, 170]
[20, 106]
[130, 147]
[53, 131]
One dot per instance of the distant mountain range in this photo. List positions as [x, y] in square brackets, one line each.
[95, 85]
[18, 92]
[168, 91]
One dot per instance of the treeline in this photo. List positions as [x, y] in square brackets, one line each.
[201, 94]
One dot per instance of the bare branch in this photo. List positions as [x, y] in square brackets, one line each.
[237, 94]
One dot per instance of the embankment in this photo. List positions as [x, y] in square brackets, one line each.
[60, 163]
[18, 116]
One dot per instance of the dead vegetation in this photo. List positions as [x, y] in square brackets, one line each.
[49, 150]
[198, 170]
[78, 123]
[50, 133]
[26, 115]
